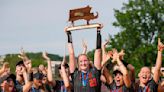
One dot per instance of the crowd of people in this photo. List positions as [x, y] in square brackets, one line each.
[83, 75]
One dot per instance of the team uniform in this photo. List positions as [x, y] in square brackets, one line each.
[87, 82]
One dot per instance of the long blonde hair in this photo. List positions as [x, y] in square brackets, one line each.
[90, 63]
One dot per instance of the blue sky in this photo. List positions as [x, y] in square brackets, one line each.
[38, 25]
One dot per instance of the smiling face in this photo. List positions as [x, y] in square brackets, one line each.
[83, 62]
[144, 75]
[118, 79]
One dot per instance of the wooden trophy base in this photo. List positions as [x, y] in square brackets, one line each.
[80, 27]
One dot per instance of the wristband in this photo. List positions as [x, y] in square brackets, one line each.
[69, 37]
[98, 44]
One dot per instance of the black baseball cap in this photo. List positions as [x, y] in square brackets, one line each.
[117, 71]
[19, 63]
[38, 76]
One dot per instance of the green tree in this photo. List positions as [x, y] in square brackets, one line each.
[12, 59]
[141, 23]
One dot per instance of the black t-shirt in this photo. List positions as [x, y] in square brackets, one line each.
[113, 88]
[60, 86]
[150, 87]
[92, 77]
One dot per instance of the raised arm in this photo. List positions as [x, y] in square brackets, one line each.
[26, 60]
[28, 78]
[105, 55]
[104, 47]
[97, 54]
[27, 71]
[130, 67]
[107, 75]
[64, 74]
[49, 72]
[131, 72]
[4, 68]
[23, 55]
[158, 61]
[72, 61]
[122, 68]
[84, 47]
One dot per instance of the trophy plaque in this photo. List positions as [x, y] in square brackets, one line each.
[83, 13]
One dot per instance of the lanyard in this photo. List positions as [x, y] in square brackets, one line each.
[63, 89]
[84, 80]
[144, 90]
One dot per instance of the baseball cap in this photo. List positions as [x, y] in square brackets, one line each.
[38, 76]
[19, 63]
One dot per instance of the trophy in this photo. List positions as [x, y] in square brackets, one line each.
[79, 14]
